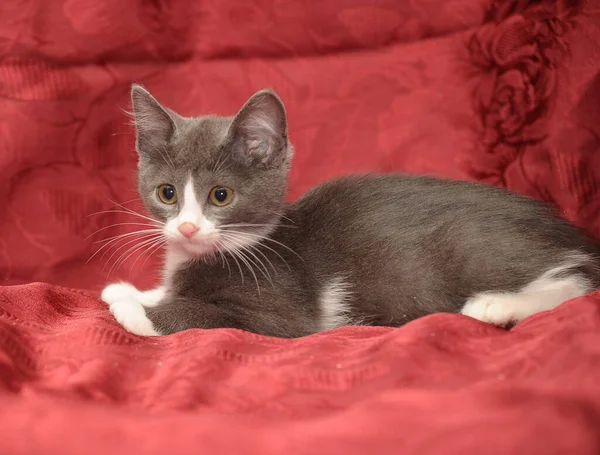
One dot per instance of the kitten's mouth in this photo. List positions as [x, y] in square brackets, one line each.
[196, 246]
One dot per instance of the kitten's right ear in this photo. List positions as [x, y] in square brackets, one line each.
[153, 123]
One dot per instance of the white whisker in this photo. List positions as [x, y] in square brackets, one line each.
[281, 215]
[156, 248]
[160, 150]
[133, 212]
[262, 237]
[111, 241]
[129, 242]
[150, 250]
[255, 248]
[219, 164]
[244, 260]
[127, 234]
[240, 235]
[256, 225]
[237, 263]
[154, 222]
[243, 250]
[223, 257]
[118, 224]
[125, 255]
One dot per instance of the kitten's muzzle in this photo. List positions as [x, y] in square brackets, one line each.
[188, 229]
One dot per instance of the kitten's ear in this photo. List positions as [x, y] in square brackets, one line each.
[153, 123]
[258, 133]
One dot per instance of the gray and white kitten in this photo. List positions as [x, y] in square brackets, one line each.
[371, 250]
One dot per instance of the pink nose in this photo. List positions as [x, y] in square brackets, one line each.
[188, 229]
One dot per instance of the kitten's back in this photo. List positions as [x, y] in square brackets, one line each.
[431, 243]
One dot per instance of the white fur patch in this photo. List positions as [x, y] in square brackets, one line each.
[334, 304]
[180, 249]
[191, 212]
[127, 304]
[545, 293]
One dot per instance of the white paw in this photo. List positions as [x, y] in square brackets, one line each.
[132, 316]
[126, 305]
[125, 291]
[494, 309]
[119, 291]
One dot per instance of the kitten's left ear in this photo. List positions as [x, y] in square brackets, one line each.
[258, 133]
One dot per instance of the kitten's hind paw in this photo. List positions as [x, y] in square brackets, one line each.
[492, 308]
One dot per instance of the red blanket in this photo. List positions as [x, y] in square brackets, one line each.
[501, 91]
[76, 383]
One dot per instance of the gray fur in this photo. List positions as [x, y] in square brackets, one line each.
[406, 245]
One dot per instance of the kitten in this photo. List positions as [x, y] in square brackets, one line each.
[373, 250]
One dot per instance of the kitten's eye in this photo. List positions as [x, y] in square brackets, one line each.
[221, 196]
[167, 194]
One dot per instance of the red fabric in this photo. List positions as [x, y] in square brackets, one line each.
[76, 383]
[505, 92]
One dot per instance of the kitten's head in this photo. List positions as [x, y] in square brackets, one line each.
[216, 183]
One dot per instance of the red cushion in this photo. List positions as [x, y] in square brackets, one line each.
[504, 92]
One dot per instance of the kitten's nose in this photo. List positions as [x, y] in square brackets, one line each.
[188, 229]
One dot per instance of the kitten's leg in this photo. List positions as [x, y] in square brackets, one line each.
[122, 291]
[545, 293]
[127, 304]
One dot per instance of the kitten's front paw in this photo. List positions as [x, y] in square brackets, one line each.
[132, 316]
[125, 304]
[119, 291]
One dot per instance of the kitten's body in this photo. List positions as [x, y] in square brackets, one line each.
[377, 250]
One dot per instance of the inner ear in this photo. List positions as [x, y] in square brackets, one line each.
[258, 132]
[153, 123]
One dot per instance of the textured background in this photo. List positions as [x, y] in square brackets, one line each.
[506, 92]
[459, 88]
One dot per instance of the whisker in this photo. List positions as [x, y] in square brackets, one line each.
[281, 215]
[256, 225]
[219, 163]
[266, 273]
[127, 234]
[254, 248]
[235, 258]
[244, 260]
[161, 149]
[242, 250]
[240, 235]
[164, 155]
[125, 255]
[151, 249]
[119, 204]
[118, 224]
[161, 244]
[262, 237]
[133, 212]
[236, 261]
[120, 237]
[129, 242]
[130, 200]
[224, 257]
[155, 222]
